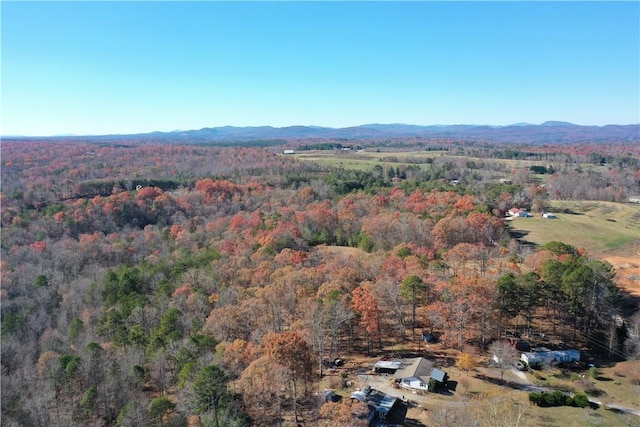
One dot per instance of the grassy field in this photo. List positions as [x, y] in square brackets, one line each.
[599, 227]
[364, 160]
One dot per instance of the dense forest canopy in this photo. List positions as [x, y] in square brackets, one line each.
[148, 283]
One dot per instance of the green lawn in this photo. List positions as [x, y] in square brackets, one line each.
[596, 226]
[365, 160]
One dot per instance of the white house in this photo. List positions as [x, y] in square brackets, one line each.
[416, 373]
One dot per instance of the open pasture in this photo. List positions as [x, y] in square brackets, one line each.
[608, 231]
[366, 159]
[596, 226]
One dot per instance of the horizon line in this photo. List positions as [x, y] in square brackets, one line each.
[517, 124]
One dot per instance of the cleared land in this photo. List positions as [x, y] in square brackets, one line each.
[363, 160]
[480, 392]
[608, 231]
[599, 227]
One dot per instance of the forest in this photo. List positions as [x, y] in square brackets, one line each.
[157, 283]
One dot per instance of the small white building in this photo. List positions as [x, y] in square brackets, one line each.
[518, 213]
[288, 152]
[548, 215]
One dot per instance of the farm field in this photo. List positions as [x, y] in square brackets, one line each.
[365, 159]
[599, 227]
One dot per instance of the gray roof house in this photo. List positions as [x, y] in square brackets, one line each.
[417, 373]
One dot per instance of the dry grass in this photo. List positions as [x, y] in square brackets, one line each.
[478, 396]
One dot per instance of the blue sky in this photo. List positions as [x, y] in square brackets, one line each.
[128, 67]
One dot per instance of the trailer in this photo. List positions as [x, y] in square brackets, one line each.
[537, 359]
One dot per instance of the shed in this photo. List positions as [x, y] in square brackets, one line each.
[438, 375]
[386, 367]
[288, 152]
[429, 337]
[438, 380]
[380, 404]
[520, 345]
[548, 215]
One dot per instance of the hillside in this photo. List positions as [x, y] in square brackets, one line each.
[546, 133]
[143, 281]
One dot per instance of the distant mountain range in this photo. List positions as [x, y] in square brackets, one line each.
[547, 132]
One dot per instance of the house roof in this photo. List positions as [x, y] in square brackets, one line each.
[387, 364]
[418, 367]
[381, 402]
[438, 375]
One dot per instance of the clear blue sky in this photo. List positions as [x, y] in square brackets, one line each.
[124, 67]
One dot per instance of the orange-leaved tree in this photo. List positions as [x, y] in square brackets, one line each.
[292, 352]
[365, 303]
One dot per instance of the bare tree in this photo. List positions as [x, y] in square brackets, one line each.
[632, 343]
[504, 356]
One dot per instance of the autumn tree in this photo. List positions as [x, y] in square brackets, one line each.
[237, 355]
[365, 303]
[466, 362]
[351, 413]
[292, 352]
[461, 308]
[260, 384]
